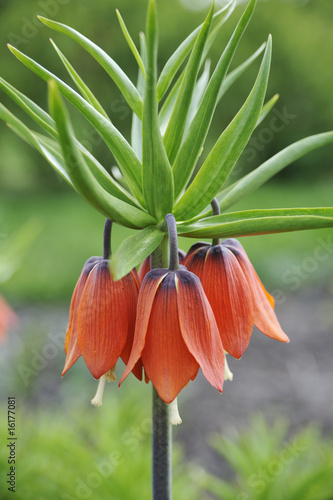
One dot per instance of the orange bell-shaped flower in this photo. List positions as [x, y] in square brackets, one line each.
[102, 319]
[175, 332]
[236, 294]
[145, 266]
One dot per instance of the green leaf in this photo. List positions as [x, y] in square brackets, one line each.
[255, 222]
[157, 173]
[49, 147]
[199, 90]
[20, 129]
[267, 108]
[131, 44]
[271, 167]
[232, 77]
[168, 105]
[81, 86]
[128, 162]
[122, 81]
[134, 250]
[195, 137]
[81, 177]
[136, 130]
[30, 107]
[224, 155]
[178, 57]
[176, 126]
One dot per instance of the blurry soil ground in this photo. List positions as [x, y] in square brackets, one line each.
[292, 380]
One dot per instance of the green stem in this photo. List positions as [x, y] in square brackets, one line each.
[161, 428]
[216, 211]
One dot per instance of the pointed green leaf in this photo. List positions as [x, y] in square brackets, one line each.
[122, 81]
[128, 162]
[255, 222]
[174, 133]
[232, 77]
[30, 107]
[81, 177]
[219, 163]
[136, 130]
[168, 105]
[267, 108]
[197, 133]
[198, 93]
[20, 129]
[178, 57]
[49, 148]
[157, 173]
[81, 86]
[131, 44]
[271, 167]
[134, 250]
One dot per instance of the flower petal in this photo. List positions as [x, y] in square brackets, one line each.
[264, 316]
[166, 358]
[132, 292]
[230, 296]
[72, 349]
[199, 328]
[146, 297]
[102, 324]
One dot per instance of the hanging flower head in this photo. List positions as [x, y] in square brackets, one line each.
[176, 332]
[102, 317]
[235, 292]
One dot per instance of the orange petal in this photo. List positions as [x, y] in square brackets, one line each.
[229, 294]
[72, 349]
[193, 250]
[195, 261]
[144, 269]
[147, 294]
[132, 292]
[102, 323]
[199, 328]
[166, 358]
[264, 316]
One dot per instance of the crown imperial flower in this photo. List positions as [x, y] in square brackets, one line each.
[102, 318]
[235, 292]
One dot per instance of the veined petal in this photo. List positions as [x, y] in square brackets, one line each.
[264, 316]
[132, 292]
[72, 349]
[146, 298]
[195, 259]
[230, 296]
[194, 249]
[199, 328]
[144, 268]
[166, 358]
[102, 324]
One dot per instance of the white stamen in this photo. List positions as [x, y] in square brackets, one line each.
[108, 376]
[98, 399]
[174, 413]
[228, 375]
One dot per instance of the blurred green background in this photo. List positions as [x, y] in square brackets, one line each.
[52, 431]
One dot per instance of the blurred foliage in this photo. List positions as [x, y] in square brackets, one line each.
[75, 453]
[269, 466]
[301, 72]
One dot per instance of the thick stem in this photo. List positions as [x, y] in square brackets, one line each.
[173, 242]
[161, 428]
[161, 449]
[216, 211]
[107, 239]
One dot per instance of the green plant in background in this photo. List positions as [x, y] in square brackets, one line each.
[168, 186]
[269, 465]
